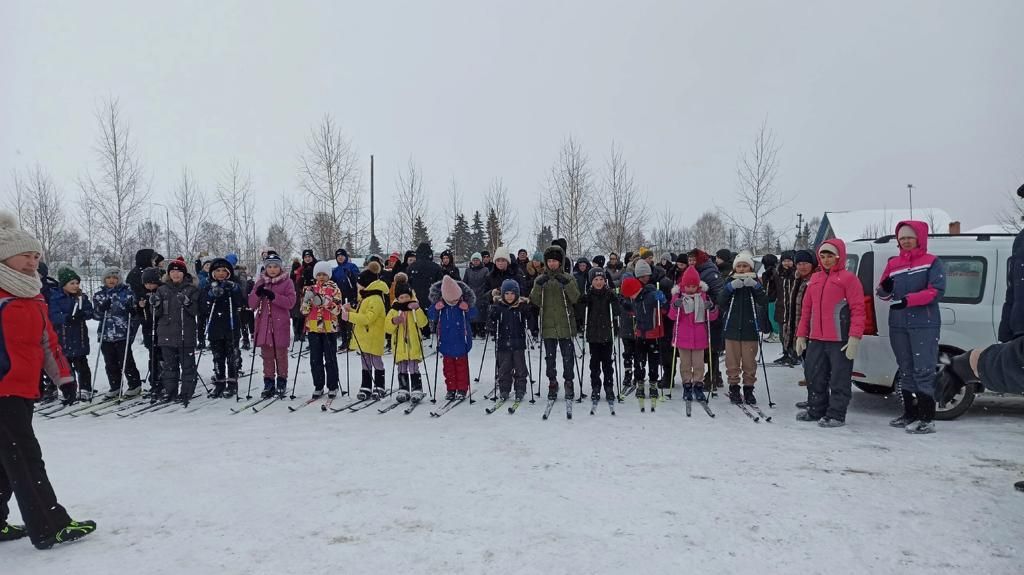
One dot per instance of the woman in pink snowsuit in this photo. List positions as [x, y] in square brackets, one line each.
[692, 310]
[272, 298]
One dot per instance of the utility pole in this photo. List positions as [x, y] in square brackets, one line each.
[910, 193]
[373, 235]
[799, 232]
[558, 223]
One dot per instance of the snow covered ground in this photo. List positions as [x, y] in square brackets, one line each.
[309, 492]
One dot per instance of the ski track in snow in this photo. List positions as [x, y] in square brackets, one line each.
[312, 492]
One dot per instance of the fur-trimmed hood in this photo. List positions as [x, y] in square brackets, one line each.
[467, 293]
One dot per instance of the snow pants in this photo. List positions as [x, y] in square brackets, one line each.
[828, 374]
[647, 356]
[81, 371]
[323, 359]
[113, 357]
[227, 359]
[628, 357]
[917, 353]
[741, 358]
[179, 362]
[456, 373]
[999, 367]
[23, 473]
[601, 354]
[511, 367]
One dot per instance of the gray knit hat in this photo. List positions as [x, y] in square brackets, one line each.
[14, 240]
[112, 271]
[642, 268]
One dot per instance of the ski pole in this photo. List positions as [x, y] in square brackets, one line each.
[298, 361]
[252, 362]
[465, 336]
[124, 359]
[760, 349]
[675, 350]
[487, 335]
[423, 357]
[437, 358]
[99, 346]
[540, 348]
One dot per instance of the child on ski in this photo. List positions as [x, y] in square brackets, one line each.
[627, 334]
[69, 311]
[321, 307]
[176, 307]
[647, 309]
[368, 321]
[272, 298]
[555, 293]
[602, 311]
[453, 309]
[692, 311]
[150, 278]
[508, 323]
[403, 323]
[114, 304]
[222, 307]
[744, 302]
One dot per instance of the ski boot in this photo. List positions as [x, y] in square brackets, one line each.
[268, 388]
[12, 532]
[133, 391]
[112, 394]
[552, 390]
[74, 530]
[460, 394]
[450, 395]
[318, 392]
[417, 388]
[282, 385]
[403, 388]
[86, 394]
[698, 392]
[734, 394]
[687, 392]
[748, 395]
[218, 389]
[378, 384]
[365, 385]
[231, 389]
[830, 422]
[332, 393]
[909, 411]
[806, 416]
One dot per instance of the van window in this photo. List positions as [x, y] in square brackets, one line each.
[851, 262]
[965, 279]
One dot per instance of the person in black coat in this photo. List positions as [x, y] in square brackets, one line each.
[448, 266]
[423, 272]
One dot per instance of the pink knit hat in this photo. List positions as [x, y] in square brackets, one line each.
[451, 293]
[690, 277]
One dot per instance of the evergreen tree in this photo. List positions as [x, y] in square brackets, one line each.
[374, 245]
[459, 239]
[493, 231]
[544, 238]
[477, 238]
[420, 234]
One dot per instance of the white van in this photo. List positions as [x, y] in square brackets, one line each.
[971, 307]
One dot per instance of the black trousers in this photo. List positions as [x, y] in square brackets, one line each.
[23, 473]
[511, 367]
[179, 362]
[113, 356]
[568, 350]
[83, 375]
[227, 359]
[628, 356]
[323, 359]
[601, 361]
[648, 359]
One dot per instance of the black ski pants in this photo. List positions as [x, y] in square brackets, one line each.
[648, 359]
[828, 373]
[113, 356]
[323, 359]
[227, 358]
[179, 362]
[551, 348]
[601, 354]
[511, 367]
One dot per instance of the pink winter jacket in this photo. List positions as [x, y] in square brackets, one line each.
[687, 333]
[833, 306]
[277, 310]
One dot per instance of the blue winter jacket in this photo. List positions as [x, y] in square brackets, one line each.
[1011, 325]
[345, 276]
[117, 304]
[68, 315]
[454, 334]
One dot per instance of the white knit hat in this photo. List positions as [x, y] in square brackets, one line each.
[744, 257]
[502, 253]
[322, 267]
[14, 240]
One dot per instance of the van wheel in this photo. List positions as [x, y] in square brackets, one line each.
[960, 402]
[873, 389]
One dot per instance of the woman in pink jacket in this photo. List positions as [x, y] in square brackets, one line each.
[272, 298]
[691, 310]
[831, 326]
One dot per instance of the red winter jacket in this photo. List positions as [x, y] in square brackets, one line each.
[833, 306]
[28, 345]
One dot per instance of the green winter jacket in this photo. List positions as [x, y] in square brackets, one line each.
[557, 319]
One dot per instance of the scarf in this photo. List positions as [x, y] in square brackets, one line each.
[19, 284]
[696, 305]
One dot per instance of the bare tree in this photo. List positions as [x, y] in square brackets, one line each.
[410, 204]
[233, 190]
[571, 196]
[1011, 217]
[708, 232]
[329, 174]
[622, 207]
[119, 194]
[757, 170]
[193, 213]
[39, 205]
[278, 235]
[498, 200]
[87, 223]
[454, 207]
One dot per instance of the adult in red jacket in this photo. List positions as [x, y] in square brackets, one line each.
[831, 326]
[28, 346]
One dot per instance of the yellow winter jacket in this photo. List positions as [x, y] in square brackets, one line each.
[406, 342]
[368, 320]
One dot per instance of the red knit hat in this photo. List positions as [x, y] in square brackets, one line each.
[631, 287]
[690, 277]
[178, 264]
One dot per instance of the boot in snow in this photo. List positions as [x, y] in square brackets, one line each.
[553, 389]
[450, 395]
[11, 532]
[909, 411]
[698, 392]
[734, 394]
[218, 389]
[748, 395]
[687, 392]
[317, 393]
[830, 422]
[403, 388]
[282, 385]
[268, 388]
[74, 530]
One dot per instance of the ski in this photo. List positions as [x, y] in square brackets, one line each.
[547, 409]
[294, 408]
[707, 409]
[750, 414]
[326, 405]
[412, 406]
[515, 406]
[262, 406]
[450, 406]
[86, 406]
[689, 408]
[117, 407]
[760, 413]
[371, 402]
[241, 408]
[568, 409]
[393, 405]
[495, 407]
[349, 405]
[654, 403]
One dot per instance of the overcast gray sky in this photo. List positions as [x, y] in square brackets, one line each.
[865, 97]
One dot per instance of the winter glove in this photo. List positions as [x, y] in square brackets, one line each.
[800, 346]
[678, 303]
[898, 304]
[542, 280]
[317, 300]
[851, 348]
[464, 306]
[439, 305]
[216, 291]
[414, 305]
[564, 279]
[265, 293]
[154, 300]
[736, 284]
[103, 305]
[227, 285]
[750, 283]
[887, 284]
[184, 299]
[397, 320]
